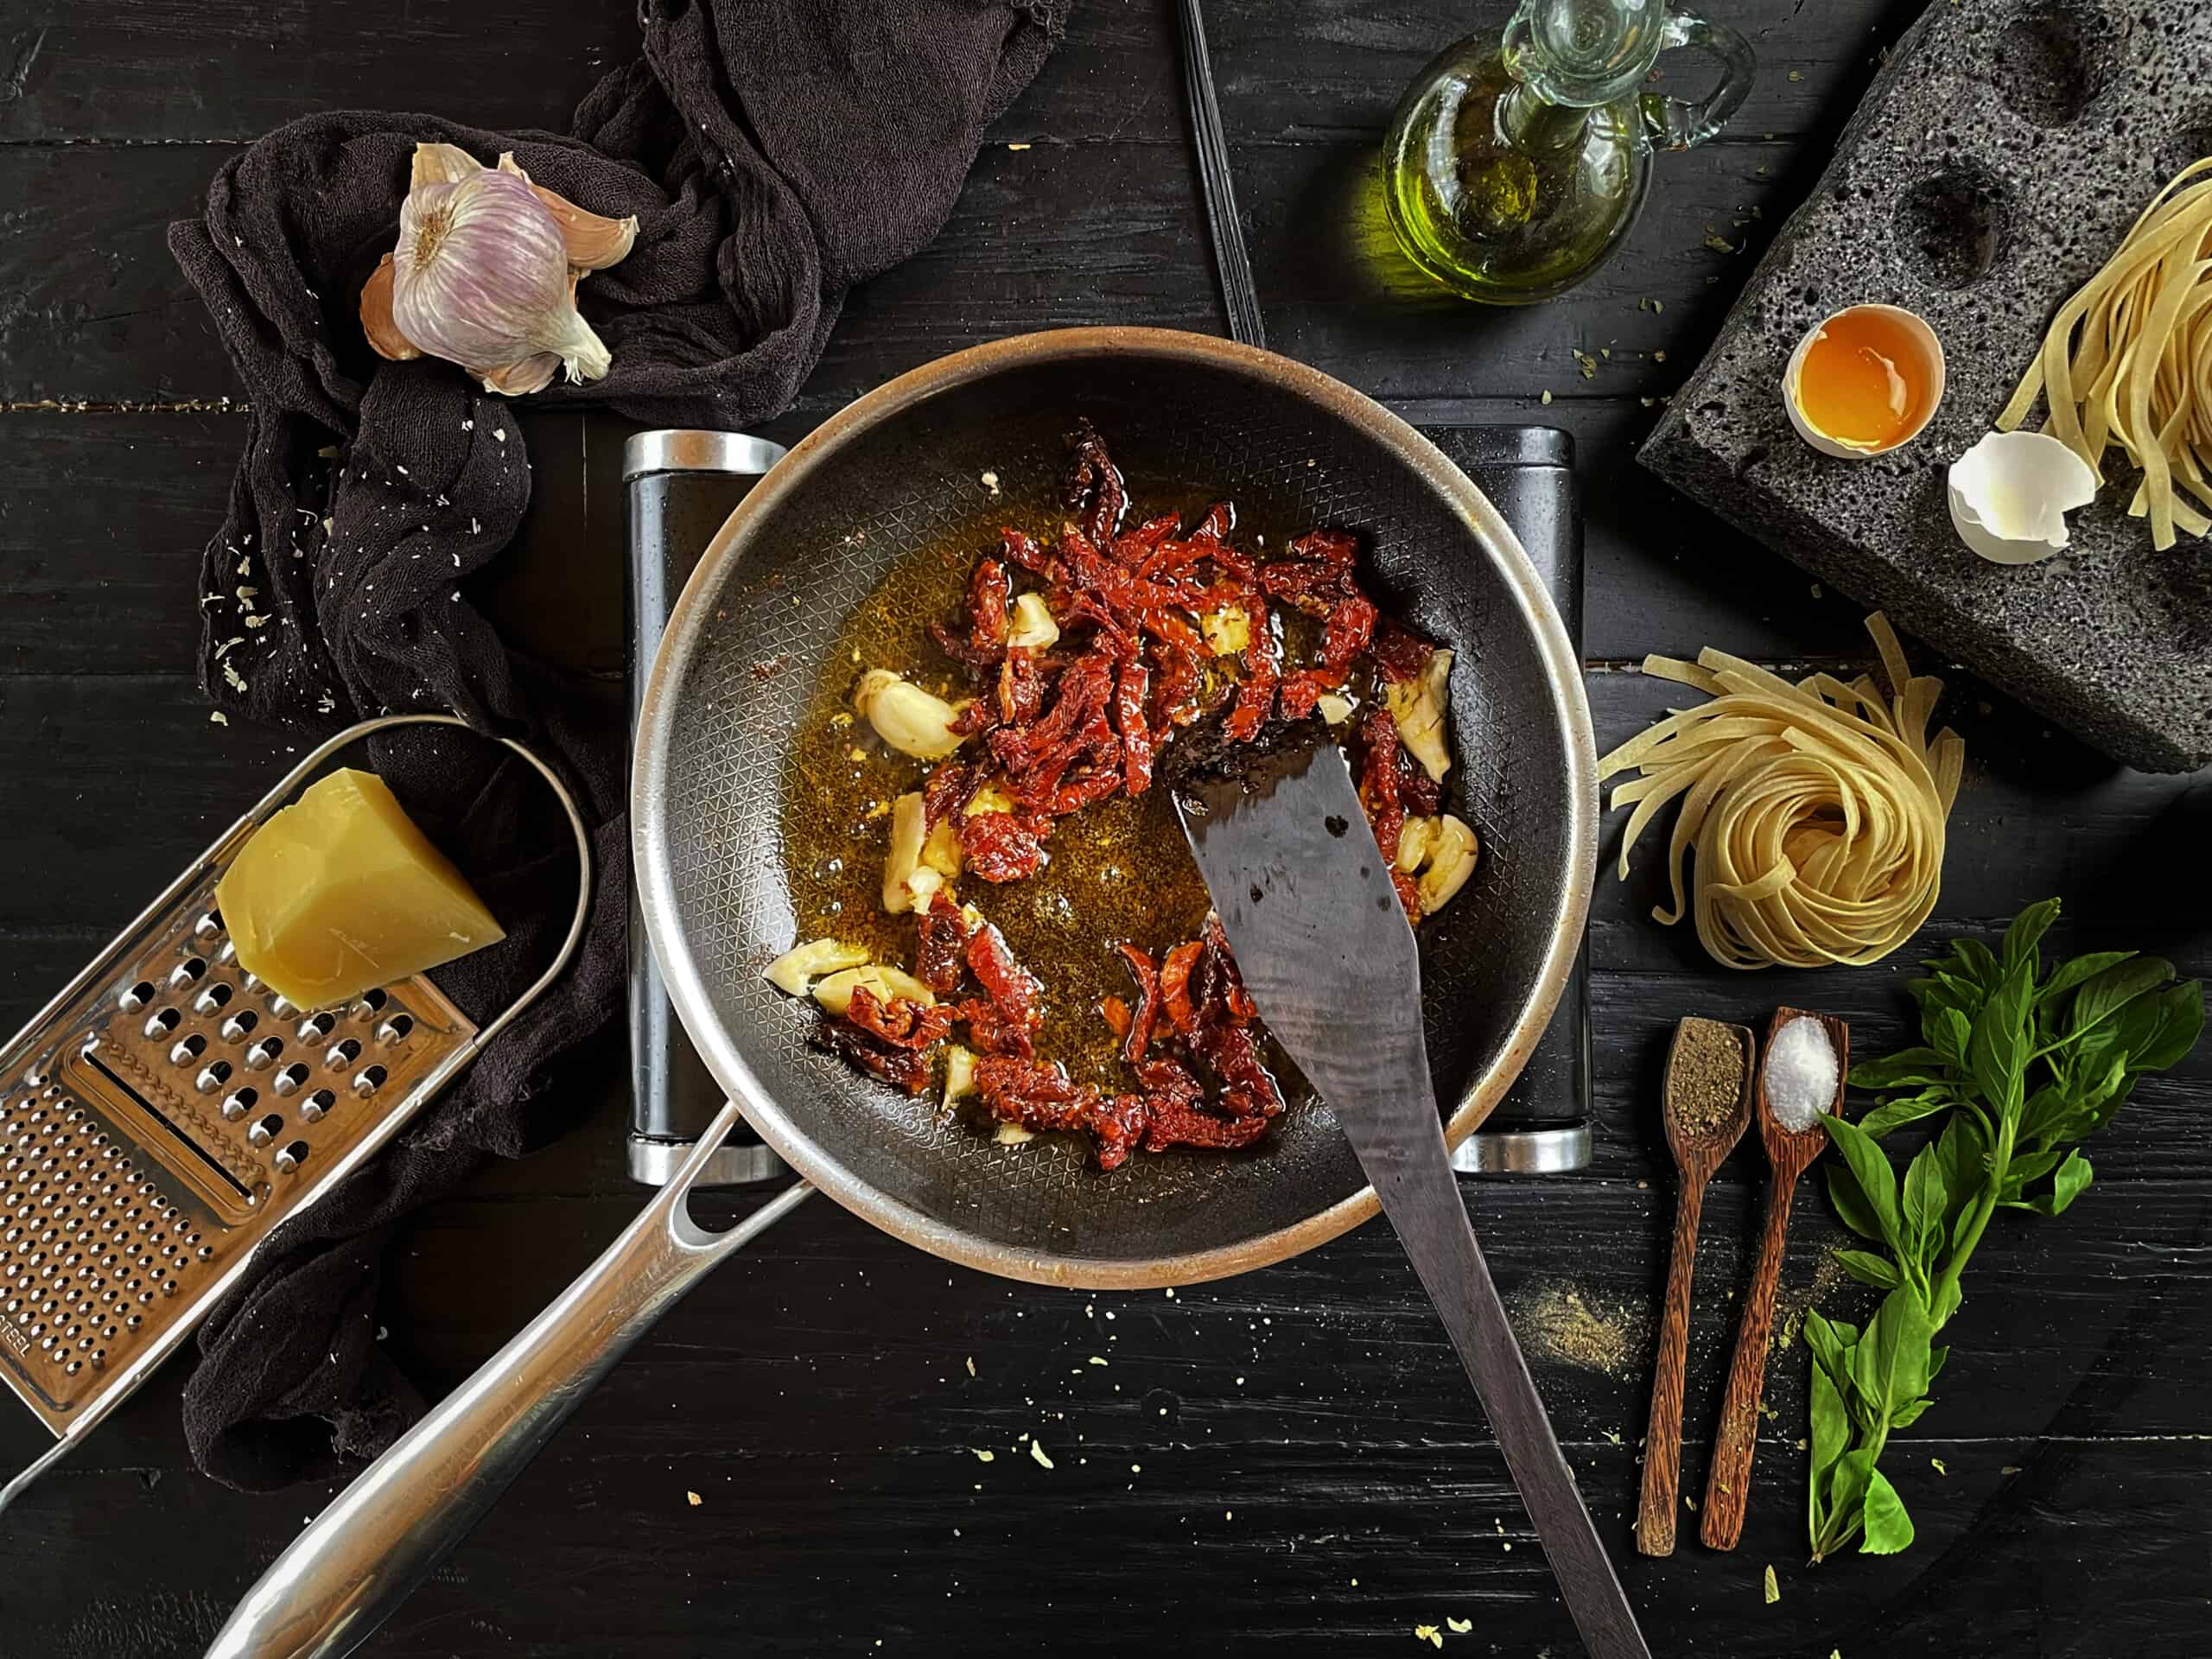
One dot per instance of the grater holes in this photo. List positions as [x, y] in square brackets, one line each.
[317, 1105]
[290, 1080]
[283, 1007]
[225, 954]
[209, 927]
[212, 1077]
[292, 1156]
[162, 1021]
[394, 1029]
[239, 1026]
[368, 1080]
[188, 973]
[342, 1054]
[252, 982]
[214, 999]
[266, 1130]
[265, 1053]
[315, 1027]
[187, 1048]
[370, 1003]
[133, 999]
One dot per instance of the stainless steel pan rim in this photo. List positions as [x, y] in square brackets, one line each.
[650, 793]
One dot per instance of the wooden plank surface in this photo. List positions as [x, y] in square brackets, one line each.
[1310, 1475]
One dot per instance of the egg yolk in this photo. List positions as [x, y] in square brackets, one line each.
[1863, 379]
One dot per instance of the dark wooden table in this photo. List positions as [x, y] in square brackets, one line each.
[1288, 1462]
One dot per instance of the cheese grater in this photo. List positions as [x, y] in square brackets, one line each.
[168, 1111]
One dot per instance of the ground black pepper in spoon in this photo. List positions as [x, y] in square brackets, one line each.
[1707, 1105]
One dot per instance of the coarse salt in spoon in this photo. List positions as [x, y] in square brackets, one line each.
[1705, 1103]
[1807, 1058]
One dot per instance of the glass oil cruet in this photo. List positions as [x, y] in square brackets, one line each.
[1513, 170]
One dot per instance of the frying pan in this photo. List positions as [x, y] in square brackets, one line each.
[899, 474]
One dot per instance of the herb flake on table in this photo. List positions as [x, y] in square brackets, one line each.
[2019, 1067]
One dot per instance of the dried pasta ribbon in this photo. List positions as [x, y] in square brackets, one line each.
[2128, 360]
[1816, 812]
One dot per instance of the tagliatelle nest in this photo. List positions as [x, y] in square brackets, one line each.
[1817, 811]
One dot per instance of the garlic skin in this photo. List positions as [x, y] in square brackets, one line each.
[485, 274]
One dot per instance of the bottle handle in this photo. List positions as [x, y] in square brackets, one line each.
[1678, 123]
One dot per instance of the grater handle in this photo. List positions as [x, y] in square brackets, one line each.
[383, 1535]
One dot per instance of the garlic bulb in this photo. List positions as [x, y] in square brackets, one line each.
[486, 271]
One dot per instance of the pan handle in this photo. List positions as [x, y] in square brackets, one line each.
[383, 1536]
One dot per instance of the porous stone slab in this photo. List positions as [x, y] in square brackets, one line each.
[2001, 154]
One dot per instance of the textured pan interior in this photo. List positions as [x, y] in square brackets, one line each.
[900, 472]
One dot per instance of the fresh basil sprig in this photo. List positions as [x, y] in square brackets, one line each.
[2020, 1067]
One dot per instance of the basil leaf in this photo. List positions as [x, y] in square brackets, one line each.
[2027, 933]
[1909, 1108]
[1888, 1528]
[1829, 1341]
[1936, 1359]
[1907, 1066]
[1924, 1205]
[1851, 1205]
[1950, 1034]
[2029, 1167]
[2046, 1113]
[2065, 1186]
[2181, 1011]
[1978, 962]
[1868, 1269]
[2114, 989]
[1831, 1424]
[1876, 1181]
[1906, 1415]
[1891, 1359]
[1959, 1148]
[2079, 971]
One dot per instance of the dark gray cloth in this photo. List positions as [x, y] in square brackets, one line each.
[775, 152]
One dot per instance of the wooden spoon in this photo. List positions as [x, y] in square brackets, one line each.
[1728, 1487]
[1697, 1154]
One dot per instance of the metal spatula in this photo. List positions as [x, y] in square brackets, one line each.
[1304, 895]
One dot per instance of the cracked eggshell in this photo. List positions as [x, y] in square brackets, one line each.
[1931, 351]
[2010, 495]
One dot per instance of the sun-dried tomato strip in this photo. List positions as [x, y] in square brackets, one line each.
[1249, 1089]
[1175, 1118]
[1041, 1096]
[1095, 489]
[1400, 653]
[1378, 780]
[1175, 983]
[941, 948]
[1139, 746]
[1022, 686]
[1003, 846]
[1023, 550]
[1255, 697]
[901, 1023]
[904, 1069]
[1237, 1008]
[1138, 1038]
[1421, 792]
[1011, 986]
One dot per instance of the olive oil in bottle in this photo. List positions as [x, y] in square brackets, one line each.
[1514, 169]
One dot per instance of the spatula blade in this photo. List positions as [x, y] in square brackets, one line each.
[1305, 896]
